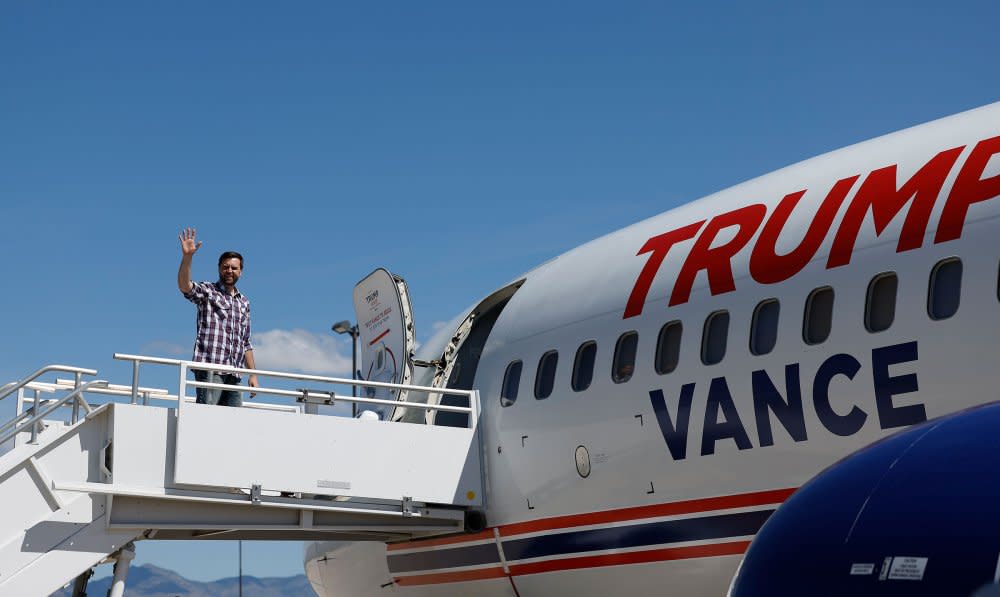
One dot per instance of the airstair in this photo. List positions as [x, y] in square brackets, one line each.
[96, 467]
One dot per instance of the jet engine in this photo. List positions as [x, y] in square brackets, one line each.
[915, 514]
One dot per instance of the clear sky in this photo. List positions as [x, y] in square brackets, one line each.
[457, 144]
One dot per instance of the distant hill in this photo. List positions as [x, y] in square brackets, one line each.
[152, 581]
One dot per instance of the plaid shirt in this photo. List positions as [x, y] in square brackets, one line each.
[223, 324]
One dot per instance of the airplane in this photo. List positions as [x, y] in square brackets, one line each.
[651, 398]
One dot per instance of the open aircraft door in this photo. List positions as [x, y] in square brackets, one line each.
[386, 336]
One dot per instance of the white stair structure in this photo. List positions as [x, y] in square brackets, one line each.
[80, 491]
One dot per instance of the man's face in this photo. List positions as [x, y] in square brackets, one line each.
[229, 271]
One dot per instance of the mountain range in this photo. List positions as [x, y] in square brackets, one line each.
[153, 581]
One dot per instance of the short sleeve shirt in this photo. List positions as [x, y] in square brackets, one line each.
[223, 324]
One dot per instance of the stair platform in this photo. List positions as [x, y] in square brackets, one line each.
[80, 490]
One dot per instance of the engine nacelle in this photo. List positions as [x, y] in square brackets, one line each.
[916, 514]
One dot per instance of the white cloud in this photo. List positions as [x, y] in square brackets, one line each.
[299, 350]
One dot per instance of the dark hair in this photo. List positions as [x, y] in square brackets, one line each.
[230, 255]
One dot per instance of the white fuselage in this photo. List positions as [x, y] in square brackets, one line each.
[685, 465]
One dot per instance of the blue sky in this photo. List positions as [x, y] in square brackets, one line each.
[456, 144]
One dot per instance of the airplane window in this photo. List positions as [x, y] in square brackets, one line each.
[583, 366]
[668, 347]
[945, 288]
[818, 319]
[624, 363]
[764, 327]
[546, 377]
[511, 381]
[880, 306]
[714, 337]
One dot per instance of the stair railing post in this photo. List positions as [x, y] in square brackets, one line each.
[34, 413]
[135, 381]
[77, 380]
[182, 388]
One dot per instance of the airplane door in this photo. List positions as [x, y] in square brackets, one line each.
[460, 360]
[386, 336]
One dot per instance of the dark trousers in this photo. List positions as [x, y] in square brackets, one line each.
[214, 396]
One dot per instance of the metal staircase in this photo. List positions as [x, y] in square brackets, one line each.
[100, 466]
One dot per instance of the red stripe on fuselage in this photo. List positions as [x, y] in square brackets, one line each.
[635, 557]
[450, 577]
[724, 502]
[761, 498]
[443, 541]
[732, 548]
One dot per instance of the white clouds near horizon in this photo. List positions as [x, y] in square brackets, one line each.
[302, 351]
[288, 350]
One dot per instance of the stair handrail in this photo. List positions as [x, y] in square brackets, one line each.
[472, 410]
[14, 386]
[15, 420]
[52, 405]
[299, 376]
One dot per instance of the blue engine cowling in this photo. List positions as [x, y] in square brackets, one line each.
[916, 514]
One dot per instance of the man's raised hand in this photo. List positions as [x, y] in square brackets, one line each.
[189, 246]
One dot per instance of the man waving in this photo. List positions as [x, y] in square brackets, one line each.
[223, 336]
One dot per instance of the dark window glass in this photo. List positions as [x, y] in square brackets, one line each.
[713, 339]
[583, 366]
[880, 306]
[818, 318]
[546, 378]
[764, 327]
[945, 289]
[511, 381]
[624, 363]
[668, 347]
